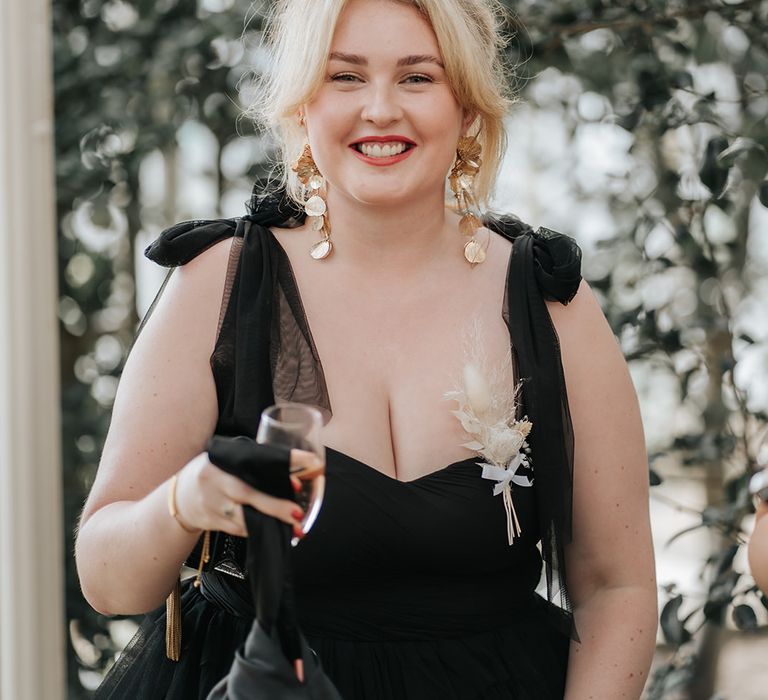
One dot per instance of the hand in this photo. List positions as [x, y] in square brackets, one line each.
[207, 498]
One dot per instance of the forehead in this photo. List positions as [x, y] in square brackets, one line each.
[383, 29]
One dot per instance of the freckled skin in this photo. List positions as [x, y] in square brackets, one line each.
[610, 560]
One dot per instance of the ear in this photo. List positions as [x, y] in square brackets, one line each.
[470, 117]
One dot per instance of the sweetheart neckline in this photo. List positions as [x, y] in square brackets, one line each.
[289, 266]
[394, 479]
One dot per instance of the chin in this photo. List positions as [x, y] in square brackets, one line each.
[396, 195]
[383, 199]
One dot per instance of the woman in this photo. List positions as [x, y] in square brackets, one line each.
[416, 581]
[758, 543]
[758, 548]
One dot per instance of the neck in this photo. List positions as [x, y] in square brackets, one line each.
[403, 236]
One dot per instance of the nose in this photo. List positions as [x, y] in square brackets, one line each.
[381, 107]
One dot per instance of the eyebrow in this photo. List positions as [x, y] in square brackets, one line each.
[358, 60]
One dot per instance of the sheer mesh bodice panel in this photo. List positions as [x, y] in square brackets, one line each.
[297, 373]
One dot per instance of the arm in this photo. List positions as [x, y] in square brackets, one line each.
[610, 562]
[758, 548]
[128, 548]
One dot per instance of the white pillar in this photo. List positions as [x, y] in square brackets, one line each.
[32, 631]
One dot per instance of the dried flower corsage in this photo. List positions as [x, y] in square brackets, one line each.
[487, 410]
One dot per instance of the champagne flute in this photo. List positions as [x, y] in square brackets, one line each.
[297, 426]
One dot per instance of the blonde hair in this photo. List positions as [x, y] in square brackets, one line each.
[299, 34]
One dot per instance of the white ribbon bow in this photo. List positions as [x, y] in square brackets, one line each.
[505, 478]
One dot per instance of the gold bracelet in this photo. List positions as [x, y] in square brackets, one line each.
[172, 509]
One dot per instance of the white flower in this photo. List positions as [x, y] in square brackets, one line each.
[503, 443]
[477, 390]
[487, 410]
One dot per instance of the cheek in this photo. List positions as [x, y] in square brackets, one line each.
[443, 129]
[323, 111]
[329, 123]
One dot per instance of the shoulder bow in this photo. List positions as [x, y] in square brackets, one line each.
[184, 241]
[545, 265]
[557, 264]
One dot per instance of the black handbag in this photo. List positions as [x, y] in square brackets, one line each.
[261, 672]
[263, 666]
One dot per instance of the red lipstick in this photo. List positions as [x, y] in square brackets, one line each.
[389, 138]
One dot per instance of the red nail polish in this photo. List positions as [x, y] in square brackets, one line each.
[298, 514]
[298, 531]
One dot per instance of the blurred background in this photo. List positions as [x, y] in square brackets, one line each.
[641, 131]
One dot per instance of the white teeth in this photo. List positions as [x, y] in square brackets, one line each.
[387, 150]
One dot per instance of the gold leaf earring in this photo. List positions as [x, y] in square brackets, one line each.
[462, 182]
[315, 207]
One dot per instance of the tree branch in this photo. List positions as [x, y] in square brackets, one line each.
[557, 33]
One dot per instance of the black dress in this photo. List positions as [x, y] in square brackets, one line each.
[405, 590]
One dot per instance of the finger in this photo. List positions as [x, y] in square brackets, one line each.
[303, 459]
[237, 526]
[296, 483]
[279, 508]
[233, 490]
[306, 465]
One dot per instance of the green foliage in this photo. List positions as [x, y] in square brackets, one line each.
[687, 81]
[127, 76]
[684, 80]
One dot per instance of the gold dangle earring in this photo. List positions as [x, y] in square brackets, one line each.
[315, 207]
[462, 182]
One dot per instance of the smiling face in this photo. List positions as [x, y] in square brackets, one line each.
[384, 125]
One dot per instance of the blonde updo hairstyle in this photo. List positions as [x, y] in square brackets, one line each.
[299, 34]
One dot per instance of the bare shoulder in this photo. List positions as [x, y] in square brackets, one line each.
[166, 406]
[196, 282]
[186, 314]
[581, 317]
[589, 349]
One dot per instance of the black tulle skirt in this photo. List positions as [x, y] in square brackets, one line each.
[524, 660]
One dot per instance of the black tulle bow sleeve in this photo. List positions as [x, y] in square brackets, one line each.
[271, 206]
[557, 265]
[184, 241]
[545, 266]
[178, 244]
